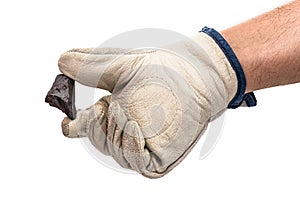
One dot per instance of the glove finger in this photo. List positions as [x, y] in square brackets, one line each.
[108, 139]
[99, 67]
[137, 154]
[86, 119]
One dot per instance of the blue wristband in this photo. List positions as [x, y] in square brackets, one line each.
[240, 95]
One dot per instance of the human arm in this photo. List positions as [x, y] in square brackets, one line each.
[268, 47]
[161, 99]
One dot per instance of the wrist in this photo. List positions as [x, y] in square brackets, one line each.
[237, 43]
[229, 59]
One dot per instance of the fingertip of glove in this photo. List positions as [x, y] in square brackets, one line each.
[65, 127]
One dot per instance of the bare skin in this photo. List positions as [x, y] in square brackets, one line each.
[268, 47]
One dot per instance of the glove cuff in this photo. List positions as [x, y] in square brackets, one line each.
[240, 96]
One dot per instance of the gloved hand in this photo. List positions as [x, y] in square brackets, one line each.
[161, 99]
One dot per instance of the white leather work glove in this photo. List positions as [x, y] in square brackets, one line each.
[161, 99]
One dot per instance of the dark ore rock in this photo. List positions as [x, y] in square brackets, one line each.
[62, 95]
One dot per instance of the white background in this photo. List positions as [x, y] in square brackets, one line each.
[257, 156]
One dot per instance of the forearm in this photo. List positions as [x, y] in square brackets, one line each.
[268, 47]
